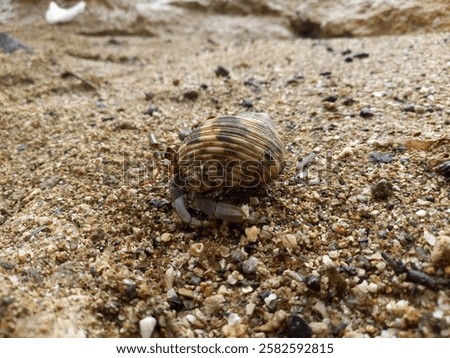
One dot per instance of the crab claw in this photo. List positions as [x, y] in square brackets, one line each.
[219, 210]
[177, 195]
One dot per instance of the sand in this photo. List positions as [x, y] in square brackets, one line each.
[90, 244]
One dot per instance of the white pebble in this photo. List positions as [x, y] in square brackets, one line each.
[147, 326]
[373, 287]
[326, 260]
[191, 318]
[363, 287]
[249, 308]
[421, 213]
[430, 238]
[234, 319]
[270, 298]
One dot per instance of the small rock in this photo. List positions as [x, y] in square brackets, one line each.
[409, 108]
[185, 292]
[252, 233]
[147, 326]
[290, 241]
[151, 110]
[345, 153]
[330, 99]
[421, 213]
[348, 59]
[382, 190]
[213, 304]
[247, 103]
[176, 303]
[275, 323]
[234, 319]
[348, 101]
[249, 266]
[419, 109]
[269, 300]
[441, 251]
[361, 55]
[197, 249]
[222, 72]
[319, 329]
[336, 279]
[380, 157]
[366, 113]
[298, 328]
[166, 237]
[9, 44]
[191, 95]
[313, 282]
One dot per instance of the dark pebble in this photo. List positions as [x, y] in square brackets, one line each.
[247, 103]
[183, 133]
[430, 198]
[176, 303]
[313, 282]
[158, 203]
[131, 291]
[21, 147]
[348, 59]
[176, 82]
[149, 96]
[444, 169]
[382, 190]
[204, 86]
[348, 101]
[335, 278]
[361, 55]
[191, 95]
[404, 160]
[409, 108]
[9, 44]
[326, 73]
[379, 157]
[6, 265]
[330, 99]
[222, 72]
[151, 110]
[298, 328]
[366, 113]
[346, 52]
[195, 280]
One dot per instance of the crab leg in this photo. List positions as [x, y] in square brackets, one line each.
[219, 210]
[177, 195]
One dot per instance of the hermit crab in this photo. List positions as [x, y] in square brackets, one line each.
[225, 152]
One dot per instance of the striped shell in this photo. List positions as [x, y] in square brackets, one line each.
[229, 151]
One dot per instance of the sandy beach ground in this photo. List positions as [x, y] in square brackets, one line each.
[356, 245]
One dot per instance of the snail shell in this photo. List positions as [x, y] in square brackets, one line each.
[228, 151]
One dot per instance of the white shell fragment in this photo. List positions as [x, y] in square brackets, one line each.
[56, 14]
[147, 326]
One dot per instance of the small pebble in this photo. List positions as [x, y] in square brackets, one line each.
[290, 241]
[382, 190]
[319, 329]
[440, 256]
[298, 328]
[366, 113]
[361, 55]
[330, 99]
[274, 323]
[409, 108]
[247, 103]
[380, 157]
[197, 249]
[269, 299]
[147, 326]
[221, 71]
[249, 265]
[313, 282]
[345, 153]
[421, 213]
[234, 319]
[252, 233]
